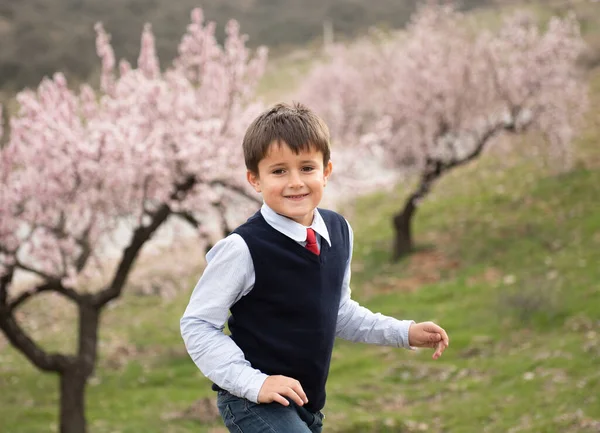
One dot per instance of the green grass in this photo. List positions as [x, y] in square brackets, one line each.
[543, 243]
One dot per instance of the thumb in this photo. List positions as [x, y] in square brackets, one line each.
[434, 337]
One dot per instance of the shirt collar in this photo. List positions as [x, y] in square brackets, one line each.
[291, 228]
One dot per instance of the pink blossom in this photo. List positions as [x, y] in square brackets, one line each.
[76, 164]
[439, 90]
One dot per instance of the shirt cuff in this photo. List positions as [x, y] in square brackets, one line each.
[404, 339]
[253, 387]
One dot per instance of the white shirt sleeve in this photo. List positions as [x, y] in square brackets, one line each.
[359, 324]
[228, 276]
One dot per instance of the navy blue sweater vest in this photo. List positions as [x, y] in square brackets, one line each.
[286, 324]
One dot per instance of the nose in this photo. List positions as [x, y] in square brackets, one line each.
[294, 180]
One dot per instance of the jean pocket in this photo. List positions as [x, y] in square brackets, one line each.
[228, 416]
[317, 423]
[231, 409]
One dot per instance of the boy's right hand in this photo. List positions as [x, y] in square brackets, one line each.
[277, 388]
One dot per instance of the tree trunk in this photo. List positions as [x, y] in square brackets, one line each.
[433, 170]
[402, 221]
[73, 379]
[403, 240]
[72, 400]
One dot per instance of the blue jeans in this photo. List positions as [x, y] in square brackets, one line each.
[243, 416]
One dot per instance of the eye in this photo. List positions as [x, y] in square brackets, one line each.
[308, 168]
[278, 171]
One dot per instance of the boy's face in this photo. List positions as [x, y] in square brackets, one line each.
[292, 185]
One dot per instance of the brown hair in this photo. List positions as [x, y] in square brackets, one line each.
[295, 125]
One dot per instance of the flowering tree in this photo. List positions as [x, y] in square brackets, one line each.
[433, 98]
[148, 145]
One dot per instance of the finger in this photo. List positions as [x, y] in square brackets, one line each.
[434, 338]
[279, 399]
[442, 346]
[298, 389]
[289, 392]
[432, 327]
[438, 350]
[445, 337]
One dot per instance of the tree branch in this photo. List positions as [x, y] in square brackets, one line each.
[483, 140]
[5, 281]
[41, 274]
[86, 248]
[53, 285]
[18, 338]
[237, 189]
[222, 210]
[22, 342]
[435, 168]
[140, 236]
[186, 216]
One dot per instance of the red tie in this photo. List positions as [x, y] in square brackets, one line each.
[311, 242]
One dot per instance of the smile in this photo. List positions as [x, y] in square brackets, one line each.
[296, 197]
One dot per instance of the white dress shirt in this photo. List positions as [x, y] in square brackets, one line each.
[229, 275]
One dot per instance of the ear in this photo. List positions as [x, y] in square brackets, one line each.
[327, 172]
[253, 180]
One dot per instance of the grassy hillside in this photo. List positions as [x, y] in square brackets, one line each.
[508, 263]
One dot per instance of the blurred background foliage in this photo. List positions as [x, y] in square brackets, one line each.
[40, 37]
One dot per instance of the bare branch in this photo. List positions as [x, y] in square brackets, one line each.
[23, 342]
[39, 273]
[17, 336]
[144, 199]
[53, 285]
[86, 247]
[140, 236]
[483, 140]
[435, 168]
[187, 216]
[86, 251]
[5, 281]
[58, 230]
[64, 260]
[238, 189]
[222, 210]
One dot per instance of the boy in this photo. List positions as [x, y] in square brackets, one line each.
[285, 276]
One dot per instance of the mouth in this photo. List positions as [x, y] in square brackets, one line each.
[296, 197]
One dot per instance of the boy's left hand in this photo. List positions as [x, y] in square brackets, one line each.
[428, 334]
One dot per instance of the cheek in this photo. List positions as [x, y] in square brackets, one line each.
[318, 182]
[272, 188]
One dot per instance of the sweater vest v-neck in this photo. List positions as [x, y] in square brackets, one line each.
[286, 324]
